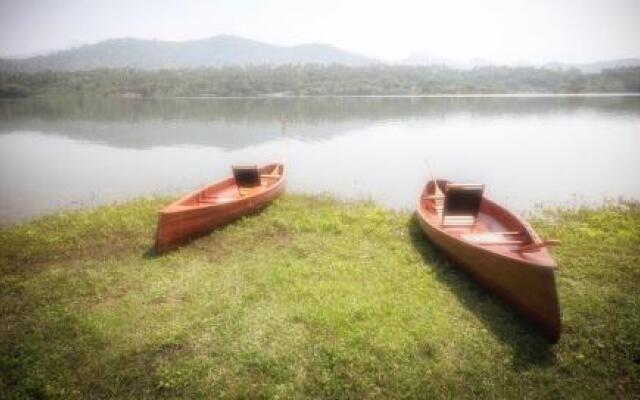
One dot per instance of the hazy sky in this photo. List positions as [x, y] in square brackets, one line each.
[499, 31]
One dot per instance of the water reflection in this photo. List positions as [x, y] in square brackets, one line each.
[64, 153]
[237, 123]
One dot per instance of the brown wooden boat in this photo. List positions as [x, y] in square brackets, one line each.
[250, 189]
[495, 246]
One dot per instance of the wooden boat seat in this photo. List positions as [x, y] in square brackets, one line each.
[246, 191]
[458, 220]
[246, 175]
[491, 238]
[247, 178]
[217, 199]
[461, 204]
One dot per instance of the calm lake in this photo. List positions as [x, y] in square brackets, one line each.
[57, 154]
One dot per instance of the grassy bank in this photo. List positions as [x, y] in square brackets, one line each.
[310, 298]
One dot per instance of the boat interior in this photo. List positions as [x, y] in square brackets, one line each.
[246, 181]
[461, 211]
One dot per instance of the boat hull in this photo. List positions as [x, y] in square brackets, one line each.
[179, 224]
[526, 283]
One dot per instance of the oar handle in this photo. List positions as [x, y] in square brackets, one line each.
[536, 246]
[436, 190]
[283, 133]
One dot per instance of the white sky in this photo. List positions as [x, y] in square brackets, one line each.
[495, 30]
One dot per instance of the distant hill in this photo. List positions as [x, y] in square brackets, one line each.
[216, 51]
[228, 50]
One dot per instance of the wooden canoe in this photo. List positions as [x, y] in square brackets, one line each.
[514, 262]
[200, 211]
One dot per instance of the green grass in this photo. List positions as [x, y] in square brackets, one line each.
[312, 298]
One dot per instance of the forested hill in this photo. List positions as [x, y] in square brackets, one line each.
[228, 51]
[216, 51]
[316, 80]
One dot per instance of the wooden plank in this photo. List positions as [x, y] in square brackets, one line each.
[450, 220]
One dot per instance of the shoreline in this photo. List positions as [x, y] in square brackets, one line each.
[390, 96]
[534, 210]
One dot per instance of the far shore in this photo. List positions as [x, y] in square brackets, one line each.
[129, 97]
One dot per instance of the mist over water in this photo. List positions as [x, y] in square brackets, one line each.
[528, 150]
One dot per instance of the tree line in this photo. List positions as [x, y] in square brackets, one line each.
[316, 80]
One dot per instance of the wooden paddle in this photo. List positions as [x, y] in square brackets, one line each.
[437, 192]
[283, 133]
[536, 246]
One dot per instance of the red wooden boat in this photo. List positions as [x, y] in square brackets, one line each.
[498, 248]
[197, 213]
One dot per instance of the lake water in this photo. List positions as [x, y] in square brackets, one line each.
[58, 154]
